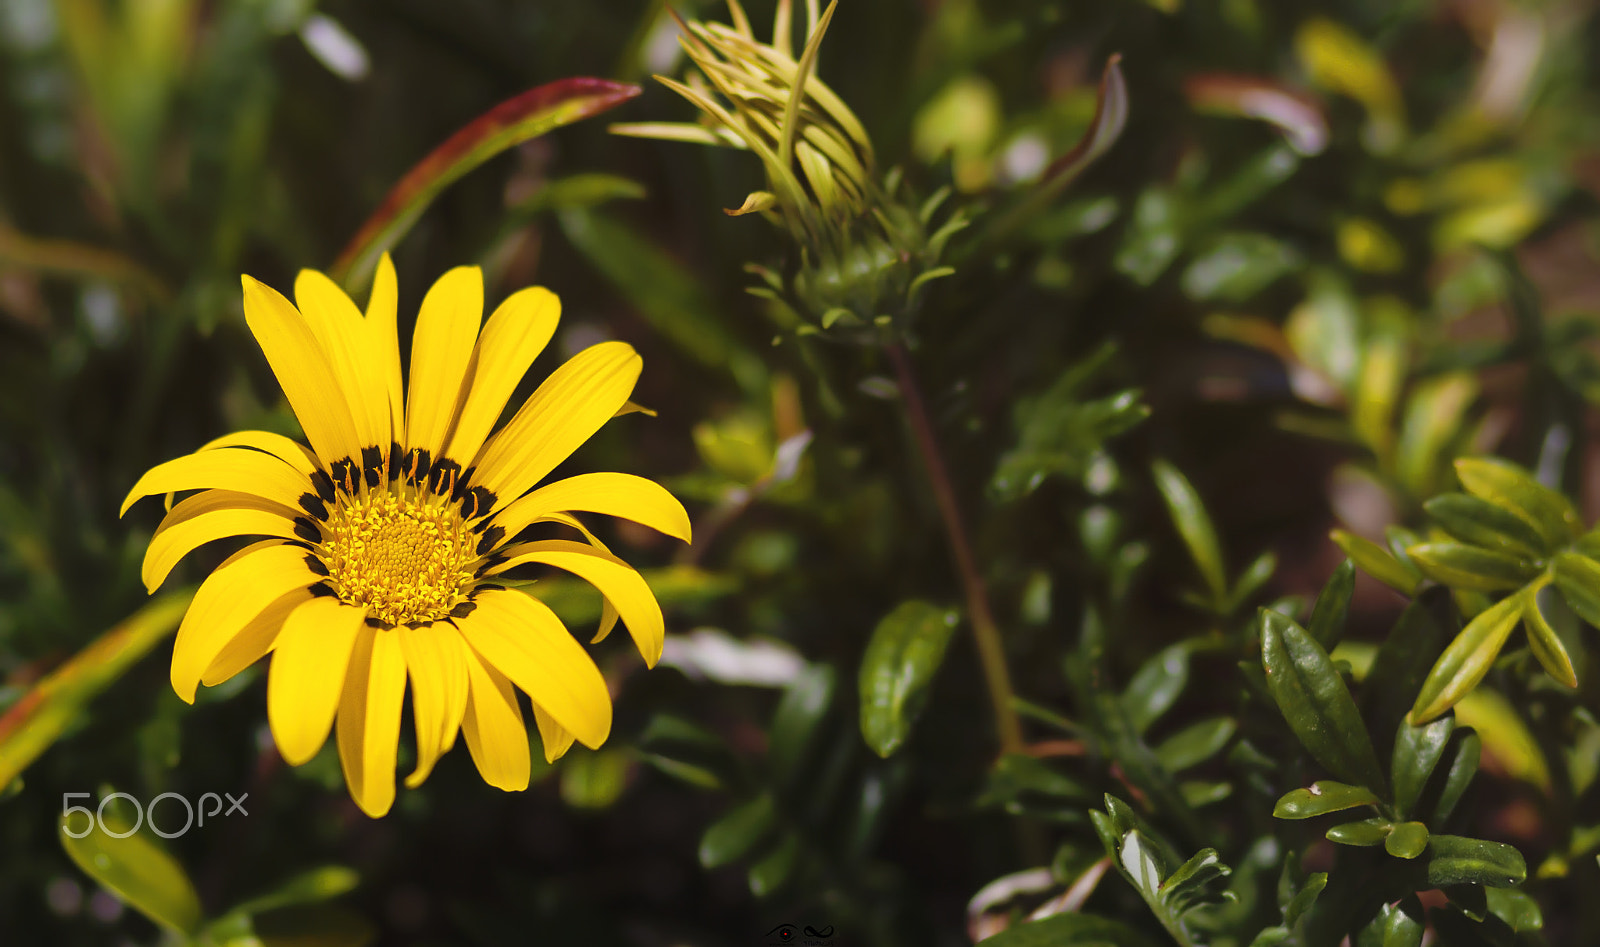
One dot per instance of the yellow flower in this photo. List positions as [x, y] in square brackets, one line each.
[386, 537]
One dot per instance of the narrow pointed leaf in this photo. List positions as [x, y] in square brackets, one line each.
[736, 833]
[1477, 521]
[1506, 485]
[1464, 753]
[1468, 658]
[1578, 578]
[1402, 663]
[1471, 567]
[1547, 645]
[516, 120]
[1333, 605]
[1315, 702]
[905, 652]
[1375, 561]
[1194, 525]
[1417, 750]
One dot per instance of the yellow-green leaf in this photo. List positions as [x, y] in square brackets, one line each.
[134, 866]
[1468, 658]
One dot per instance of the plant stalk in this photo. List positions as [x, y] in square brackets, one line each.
[991, 652]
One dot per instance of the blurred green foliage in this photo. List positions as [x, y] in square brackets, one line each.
[1335, 274]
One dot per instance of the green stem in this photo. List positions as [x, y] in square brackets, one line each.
[991, 652]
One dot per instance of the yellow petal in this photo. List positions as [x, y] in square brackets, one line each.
[254, 641]
[214, 514]
[232, 597]
[512, 338]
[229, 468]
[557, 739]
[496, 736]
[383, 335]
[342, 333]
[608, 611]
[523, 639]
[441, 348]
[303, 372]
[290, 451]
[436, 660]
[614, 494]
[571, 405]
[369, 719]
[308, 673]
[616, 580]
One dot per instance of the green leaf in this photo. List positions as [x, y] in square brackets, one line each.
[1315, 702]
[1376, 561]
[1578, 578]
[1066, 930]
[735, 834]
[1477, 521]
[1547, 645]
[1417, 750]
[310, 887]
[136, 867]
[1194, 525]
[1156, 686]
[1324, 796]
[902, 657]
[1470, 567]
[594, 779]
[794, 724]
[1456, 860]
[1366, 833]
[1396, 925]
[1255, 575]
[1235, 266]
[1508, 486]
[1333, 606]
[1196, 743]
[1468, 658]
[1018, 773]
[1304, 898]
[1195, 882]
[776, 868]
[1466, 748]
[1431, 428]
[1406, 840]
[512, 122]
[1519, 910]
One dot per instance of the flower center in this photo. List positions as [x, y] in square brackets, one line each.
[406, 558]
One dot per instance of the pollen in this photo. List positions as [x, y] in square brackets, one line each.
[406, 558]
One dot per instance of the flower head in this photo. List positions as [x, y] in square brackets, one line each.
[388, 538]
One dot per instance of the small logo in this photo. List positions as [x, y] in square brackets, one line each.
[792, 934]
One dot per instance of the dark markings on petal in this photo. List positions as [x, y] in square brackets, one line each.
[490, 563]
[490, 539]
[313, 505]
[413, 625]
[315, 564]
[488, 587]
[299, 544]
[478, 502]
[421, 463]
[395, 457]
[307, 530]
[464, 609]
[347, 475]
[444, 476]
[378, 623]
[372, 464]
[323, 590]
[324, 485]
[461, 485]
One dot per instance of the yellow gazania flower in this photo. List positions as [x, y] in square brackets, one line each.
[386, 537]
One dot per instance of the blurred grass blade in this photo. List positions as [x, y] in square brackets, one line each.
[1194, 525]
[1294, 113]
[510, 123]
[133, 866]
[906, 651]
[75, 260]
[34, 721]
